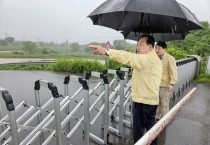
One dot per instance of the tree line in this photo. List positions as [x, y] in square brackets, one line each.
[196, 42]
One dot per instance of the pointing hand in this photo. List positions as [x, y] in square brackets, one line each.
[97, 49]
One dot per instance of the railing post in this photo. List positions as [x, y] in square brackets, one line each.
[56, 98]
[66, 93]
[115, 73]
[11, 112]
[121, 103]
[106, 109]
[38, 104]
[86, 110]
[1, 127]
[102, 103]
[85, 87]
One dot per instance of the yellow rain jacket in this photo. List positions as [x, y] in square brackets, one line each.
[146, 76]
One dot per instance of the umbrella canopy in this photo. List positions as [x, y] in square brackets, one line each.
[158, 36]
[145, 16]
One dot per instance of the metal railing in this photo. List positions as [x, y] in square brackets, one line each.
[112, 102]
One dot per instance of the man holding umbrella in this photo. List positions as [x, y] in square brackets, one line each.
[146, 78]
[151, 17]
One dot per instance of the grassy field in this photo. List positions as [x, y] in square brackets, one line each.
[203, 78]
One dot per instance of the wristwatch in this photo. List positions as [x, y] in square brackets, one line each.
[107, 52]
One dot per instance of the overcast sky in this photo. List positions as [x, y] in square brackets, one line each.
[61, 20]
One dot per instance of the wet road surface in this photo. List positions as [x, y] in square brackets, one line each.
[191, 126]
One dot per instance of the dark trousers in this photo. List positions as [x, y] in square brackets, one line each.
[143, 118]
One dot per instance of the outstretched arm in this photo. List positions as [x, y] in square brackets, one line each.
[98, 50]
[124, 57]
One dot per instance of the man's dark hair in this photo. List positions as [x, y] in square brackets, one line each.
[162, 44]
[150, 39]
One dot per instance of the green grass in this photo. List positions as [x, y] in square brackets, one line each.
[68, 65]
[76, 66]
[203, 78]
[113, 64]
[63, 65]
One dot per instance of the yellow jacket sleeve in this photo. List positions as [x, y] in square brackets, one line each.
[134, 60]
[146, 75]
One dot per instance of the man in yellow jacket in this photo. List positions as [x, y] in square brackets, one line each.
[146, 77]
[169, 78]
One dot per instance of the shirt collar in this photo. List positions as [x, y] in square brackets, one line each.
[161, 57]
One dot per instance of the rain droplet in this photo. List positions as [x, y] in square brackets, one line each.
[172, 31]
[175, 28]
[187, 22]
[165, 26]
[123, 17]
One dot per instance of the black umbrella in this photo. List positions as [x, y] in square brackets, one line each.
[145, 16]
[158, 36]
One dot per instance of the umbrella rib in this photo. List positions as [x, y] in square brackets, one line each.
[178, 6]
[122, 21]
[142, 15]
[178, 25]
[123, 17]
[148, 25]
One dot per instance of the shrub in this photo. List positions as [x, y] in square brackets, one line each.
[77, 66]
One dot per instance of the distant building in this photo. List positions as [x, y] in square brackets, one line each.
[208, 66]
